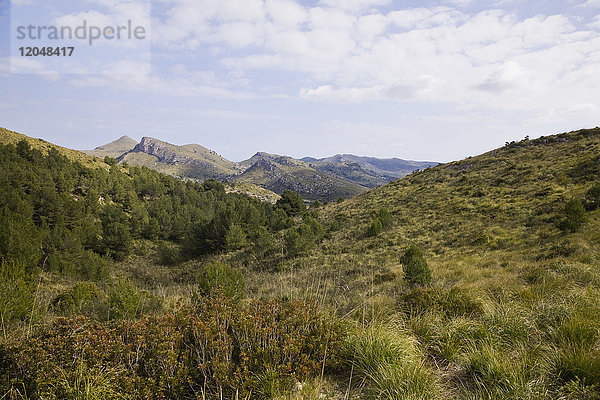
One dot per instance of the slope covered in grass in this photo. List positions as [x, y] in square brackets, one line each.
[11, 137]
[513, 309]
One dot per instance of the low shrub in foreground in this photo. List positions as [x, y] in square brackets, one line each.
[212, 349]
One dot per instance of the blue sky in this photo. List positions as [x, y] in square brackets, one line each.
[426, 80]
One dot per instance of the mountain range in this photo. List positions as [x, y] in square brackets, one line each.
[325, 179]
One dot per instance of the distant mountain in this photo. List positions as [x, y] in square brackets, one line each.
[113, 149]
[189, 161]
[279, 173]
[366, 171]
[315, 179]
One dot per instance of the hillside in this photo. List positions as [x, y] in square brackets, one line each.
[10, 137]
[507, 198]
[280, 173]
[513, 311]
[188, 161]
[366, 171]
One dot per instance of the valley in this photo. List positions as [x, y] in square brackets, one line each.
[475, 279]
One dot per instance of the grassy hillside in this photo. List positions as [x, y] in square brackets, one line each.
[10, 137]
[512, 197]
[513, 311]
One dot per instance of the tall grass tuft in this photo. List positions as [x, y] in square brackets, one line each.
[87, 384]
[388, 363]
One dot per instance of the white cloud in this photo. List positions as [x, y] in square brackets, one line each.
[286, 12]
[460, 3]
[23, 65]
[595, 23]
[180, 82]
[398, 90]
[591, 3]
[352, 52]
[355, 5]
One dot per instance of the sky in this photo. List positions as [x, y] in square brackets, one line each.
[421, 80]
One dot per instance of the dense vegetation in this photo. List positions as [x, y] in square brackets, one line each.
[477, 279]
[65, 228]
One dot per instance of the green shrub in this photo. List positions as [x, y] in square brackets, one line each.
[291, 203]
[375, 228]
[334, 226]
[126, 301]
[79, 263]
[16, 292]
[279, 220]
[151, 229]
[592, 197]
[221, 278]
[235, 238]
[303, 238]
[83, 298]
[110, 161]
[262, 243]
[416, 271]
[215, 349]
[385, 217]
[381, 222]
[168, 254]
[575, 215]
[315, 226]
[116, 240]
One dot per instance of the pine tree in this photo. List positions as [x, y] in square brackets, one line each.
[416, 271]
[291, 203]
[235, 238]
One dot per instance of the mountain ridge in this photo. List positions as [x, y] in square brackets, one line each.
[113, 149]
[327, 179]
